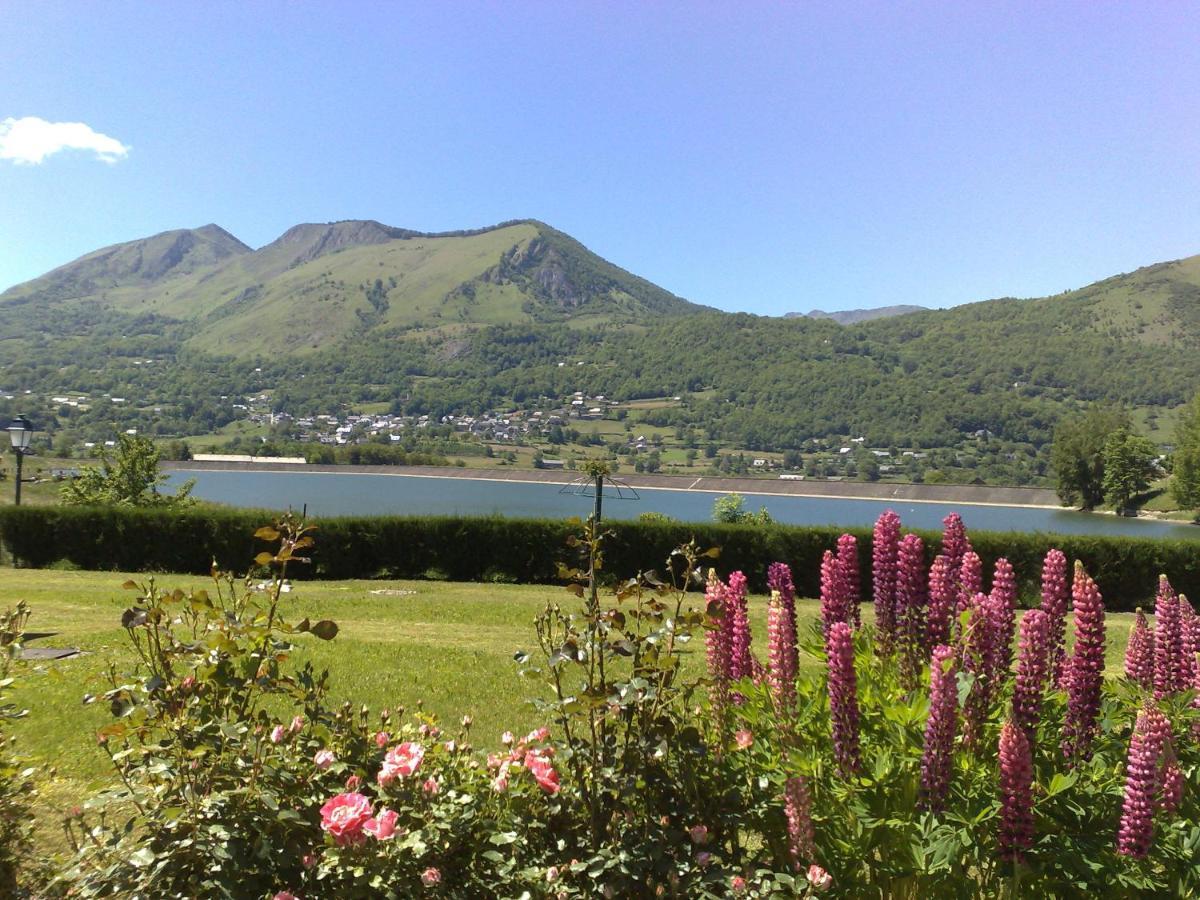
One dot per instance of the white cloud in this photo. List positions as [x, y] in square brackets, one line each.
[29, 140]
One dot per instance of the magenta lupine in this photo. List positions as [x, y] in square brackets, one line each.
[885, 543]
[740, 664]
[1085, 674]
[943, 600]
[937, 757]
[955, 543]
[847, 554]
[1056, 591]
[833, 592]
[970, 579]
[1172, 779]
[976, 642]
[782, 658]
[1187, 643]
[912, 603]
[1139, 652]
[779, 578]
[797, 806]
[1016, 793]
[1150, 735]
[843, 697]
[716, 643]
[1033, 663]
[1168, 642]
[1003, 607]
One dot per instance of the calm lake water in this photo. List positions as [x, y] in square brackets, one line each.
[332, 494]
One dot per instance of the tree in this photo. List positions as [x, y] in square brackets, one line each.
[1185, 469]
[129, 477]
[1077, 455]
[731, 508]
[1128, 467]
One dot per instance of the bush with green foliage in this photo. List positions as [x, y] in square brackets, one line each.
[128, 477]
[17, 790]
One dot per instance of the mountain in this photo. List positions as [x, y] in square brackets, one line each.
[854, 316]
[322, 284]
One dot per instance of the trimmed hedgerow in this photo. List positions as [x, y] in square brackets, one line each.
[529, 550]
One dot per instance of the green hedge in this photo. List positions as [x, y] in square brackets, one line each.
[527, 550]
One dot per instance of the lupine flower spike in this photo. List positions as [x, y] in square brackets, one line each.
[833, 592]
[1139, 653]
[779, 578]
[716, 644]
[843, 697]
[1187, 643]
[1016, 793]
[847, 554]
[970, 579]
[1150, 735]
[1033, 663]
[912, 602]
[976, 644]
[943, 597]
[937, 758]
[1056, 591]
[782, 658]
[797, 806]
[1003, 606]
[1086, 670]
[885, 544]
[1168, 641]
[954, 540]
[738, 623]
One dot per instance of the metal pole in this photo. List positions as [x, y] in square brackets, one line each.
[599, 496]
[20, 459]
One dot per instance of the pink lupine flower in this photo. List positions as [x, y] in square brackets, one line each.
[1168, 641]
[912, 602]
[401, 762]
[1003, 606]
[847, 556]
[782, 658]
[954, 540]
[843, 697]
[345, 816]
[1056, 591]
[278, 733]
[819, 878]
[885, 543]
[937, 759]
[431, 877]
[1188, 646]
[738, 623]
[1086, 670]
[1016, 793]
[943, 601]
[833, 592]
[382, 827]
[1173, 781]
[1150, 735]
[1139, 653]
[779, 578]
[970, 578]
[698, 834]
[976, 655]
[381, 739]
[716, 643]
[323, 759]
[1033, 664]
[797, 807]
[543, 772]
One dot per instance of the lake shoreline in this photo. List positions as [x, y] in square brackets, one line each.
[968, 495]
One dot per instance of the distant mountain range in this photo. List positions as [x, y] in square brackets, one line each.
[854, 316]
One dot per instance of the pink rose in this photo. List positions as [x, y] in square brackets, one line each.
[284, 895]
[500, 783]
[381, 739]
[819, 878]
[430, 877]
[543, 772]
[188, 683]
[744, 738]
[507, 738]
[383, 826]
[431, 786]
[401, 761]
[552, 874]
[344, 817]
[537, 735]
[323, 759]
[277, 734]
[493, 761]
[308, 860]
[699, 834]
[738, 884]
[297, 723]
[450, 746]
[353, 783]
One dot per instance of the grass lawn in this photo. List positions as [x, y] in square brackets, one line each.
[449, 645]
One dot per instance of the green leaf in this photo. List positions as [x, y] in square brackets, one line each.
[142, 857]
[267, 533]
[326, 630]
[264, 558]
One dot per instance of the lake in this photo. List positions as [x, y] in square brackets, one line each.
[336, 493]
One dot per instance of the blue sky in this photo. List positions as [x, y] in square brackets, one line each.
[764, 157]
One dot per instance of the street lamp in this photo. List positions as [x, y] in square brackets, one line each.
[20, 431]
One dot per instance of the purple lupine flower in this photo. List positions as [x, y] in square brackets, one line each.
[1168, 641]
[1056, 591]
[1139, 652]
[1173, 782]
[847, 554]
[1187, 643]
[1150, 735]
[779, 578]
[1003, 606]
[833, 593]
[975, 658]
[843, 697]
[1016, 793]
[937, 758]
[797, 806]
[912, 601]
[716, 643]
[1033, 663]
[885, 543]
[970, 579]
[955, 543]
[1086, 669]
[740, 664]
[782, 659]
[943, 600]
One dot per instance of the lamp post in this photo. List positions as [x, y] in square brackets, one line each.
[20, 431]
